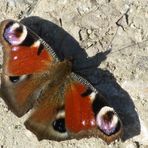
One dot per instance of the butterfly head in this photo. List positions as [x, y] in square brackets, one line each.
[14, 33]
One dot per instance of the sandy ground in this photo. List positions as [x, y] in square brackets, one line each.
[96, 25]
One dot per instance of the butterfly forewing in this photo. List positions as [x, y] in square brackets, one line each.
[25, 67]
[23, 51]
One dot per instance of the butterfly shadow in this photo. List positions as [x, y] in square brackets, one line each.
[66, 46]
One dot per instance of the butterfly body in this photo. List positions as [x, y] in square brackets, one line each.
[64, 105]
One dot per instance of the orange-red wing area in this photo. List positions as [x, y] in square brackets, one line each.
[79, 113]
[24, 52]
[25, 60]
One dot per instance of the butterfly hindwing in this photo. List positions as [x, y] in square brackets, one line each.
[47, 120]
[88, 113]
[75, 116]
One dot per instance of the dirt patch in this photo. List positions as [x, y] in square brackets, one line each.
[97, 25]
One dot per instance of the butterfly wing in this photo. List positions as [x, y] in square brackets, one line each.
[82, 113]
[88, 113]
[25, 64]
[47, 121]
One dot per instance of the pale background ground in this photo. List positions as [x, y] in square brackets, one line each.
[93, 24]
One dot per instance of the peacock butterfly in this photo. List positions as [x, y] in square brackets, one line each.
[64, 105]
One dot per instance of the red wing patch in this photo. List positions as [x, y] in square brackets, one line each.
[79, 113]
[25, 60]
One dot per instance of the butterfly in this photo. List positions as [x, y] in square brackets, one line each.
[63, 104]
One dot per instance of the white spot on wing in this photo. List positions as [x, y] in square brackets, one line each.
[60, 114]
[23, 77]
[83, 122]
[14, 49]
[15, 58]
[36, 44]
[92, 96]
[93, 122]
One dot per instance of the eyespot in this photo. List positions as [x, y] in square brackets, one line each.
[16, 79]
[59, 125]
[107, 120]
[15, 33]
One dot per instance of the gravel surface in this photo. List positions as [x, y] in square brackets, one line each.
[122, 74]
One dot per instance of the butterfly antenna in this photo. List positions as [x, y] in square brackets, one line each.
[60, 21]
[109, 47]
[139, 44]
[0, 93]
[118, 23]
[28, 11]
